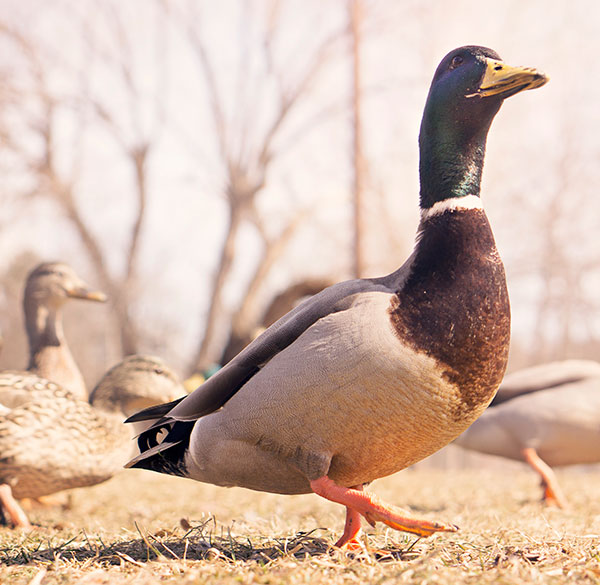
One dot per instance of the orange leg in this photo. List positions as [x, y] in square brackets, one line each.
[11, 508]
[374, 510]
[352, 526]
[553, 495]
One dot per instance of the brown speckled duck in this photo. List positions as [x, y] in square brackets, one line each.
[54, 441]
[369, 376]
[48, 287]
[547, 416]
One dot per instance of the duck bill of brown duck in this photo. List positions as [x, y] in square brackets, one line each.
[82, 292]
[504, 80]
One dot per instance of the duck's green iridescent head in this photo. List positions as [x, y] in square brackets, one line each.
[466, 93]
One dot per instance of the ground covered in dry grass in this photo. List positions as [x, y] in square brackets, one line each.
[144, 529]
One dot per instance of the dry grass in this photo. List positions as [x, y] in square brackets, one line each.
[142, 529]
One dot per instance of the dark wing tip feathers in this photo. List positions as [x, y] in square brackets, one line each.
[154, 412]
[506, 394]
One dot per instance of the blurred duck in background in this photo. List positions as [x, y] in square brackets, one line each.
[54, 441]
[48, 287]
[547, 416]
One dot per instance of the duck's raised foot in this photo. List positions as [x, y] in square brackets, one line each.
[360, 503]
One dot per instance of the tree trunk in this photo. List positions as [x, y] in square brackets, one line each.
[355, 10]
[206, 353]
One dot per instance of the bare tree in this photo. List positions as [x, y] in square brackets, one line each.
[247, 154]
[61, 183]
[136, 148]
[562, 301]
[556, 254]
[247, 146]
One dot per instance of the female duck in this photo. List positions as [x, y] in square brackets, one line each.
[54, 441]
[48, 287]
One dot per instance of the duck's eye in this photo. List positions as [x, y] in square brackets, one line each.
[457, 60]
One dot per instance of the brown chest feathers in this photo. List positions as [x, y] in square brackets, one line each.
[454, 304]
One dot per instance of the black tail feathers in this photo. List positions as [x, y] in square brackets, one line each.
[166, 455]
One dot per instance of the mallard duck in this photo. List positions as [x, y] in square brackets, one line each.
[369, 376]
[48, 287]
[547, 416]
[54, 441]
